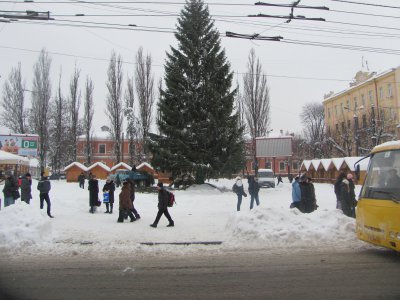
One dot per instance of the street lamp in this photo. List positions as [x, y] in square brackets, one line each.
[356, 137]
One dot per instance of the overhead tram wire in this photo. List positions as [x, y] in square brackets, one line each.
[368, 4]
[156, 65]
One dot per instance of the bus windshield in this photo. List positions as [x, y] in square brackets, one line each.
[383, 179]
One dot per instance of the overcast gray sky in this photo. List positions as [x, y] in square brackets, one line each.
[297, 74]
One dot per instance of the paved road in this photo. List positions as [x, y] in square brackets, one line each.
[371, 274]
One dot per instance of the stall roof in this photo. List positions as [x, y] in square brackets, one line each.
[9, 158]
[143, 165]
[121, 164]
[78, 164]
[101, 165]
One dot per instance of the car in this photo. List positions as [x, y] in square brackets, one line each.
[266, 178]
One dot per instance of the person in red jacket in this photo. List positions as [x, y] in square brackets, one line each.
[125, 203]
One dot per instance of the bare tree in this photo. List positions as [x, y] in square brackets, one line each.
[256, 97]
[41, 95]
[13, 114]
[114, 109]
[145, 91]
[88, 118]
[240, 109]
[131, 120]
[313, 120]
[74, 104]
[59, 141]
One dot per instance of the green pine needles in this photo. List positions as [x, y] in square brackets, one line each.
[199, 131]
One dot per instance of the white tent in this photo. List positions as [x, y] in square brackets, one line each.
[7, 158]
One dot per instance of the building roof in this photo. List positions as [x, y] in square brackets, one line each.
[97, 135]
[121, 165]
[274, 146]
[360, 84]
[76, 164]
[101, 165]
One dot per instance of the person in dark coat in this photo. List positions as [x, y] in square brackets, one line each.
[352, 194]
[254, 188]
[26, 188]
[239, 191]
[44, 188]
[279, 179]
[117, 181]
[10, 189]
[109, 188]
[345, 198]
[125, 203]
[81, 180]
[163, 199]
[132, 186]
[93, 193]
[337, 184]
[307, 195]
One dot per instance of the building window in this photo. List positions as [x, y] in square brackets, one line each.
[348, 124]
[355, 103]
[389, 90]
[336, 111]
[348, 103]
[295, 165]
[329, 113]
[281, 166]
[341, 108]
[343, 127]
[364, 121]
[268, 165]
[363, 100]
[380, 93]
[102, 148]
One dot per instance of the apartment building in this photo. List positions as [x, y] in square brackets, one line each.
[366, 113]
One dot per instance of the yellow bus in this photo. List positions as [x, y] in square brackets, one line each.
[378, 208]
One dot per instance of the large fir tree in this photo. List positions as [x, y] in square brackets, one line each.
[199, 130]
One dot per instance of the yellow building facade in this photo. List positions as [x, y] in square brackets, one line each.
[365, 114]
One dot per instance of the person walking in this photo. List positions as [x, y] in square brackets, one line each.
[81, 180]
[254, 188]
[26, 188]
[134, 211]
[44, 188]
[109, 188]
[10, 189]
[239, 190]
[279, 179]
[163, 199]
[337, 184]
[296, 194]
[125, 203]
[93, 193]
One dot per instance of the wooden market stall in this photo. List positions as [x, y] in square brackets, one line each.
[100, 170]
[72, 171]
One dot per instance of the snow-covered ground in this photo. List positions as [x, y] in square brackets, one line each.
[202, 214]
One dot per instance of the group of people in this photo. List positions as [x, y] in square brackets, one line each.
[345, 194]
[126, 200]
[12, 187]
[253, 189]
[303, 194]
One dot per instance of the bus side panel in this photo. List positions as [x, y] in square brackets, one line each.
[376, 220]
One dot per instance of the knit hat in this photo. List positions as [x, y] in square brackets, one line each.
[28, 174]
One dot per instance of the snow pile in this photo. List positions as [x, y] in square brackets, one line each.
[271, 227]
[22, 226]
[203, 214]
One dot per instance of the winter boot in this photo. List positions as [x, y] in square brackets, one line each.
[111, 208]
[107, 211]
[153, 225]
[171, 224]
